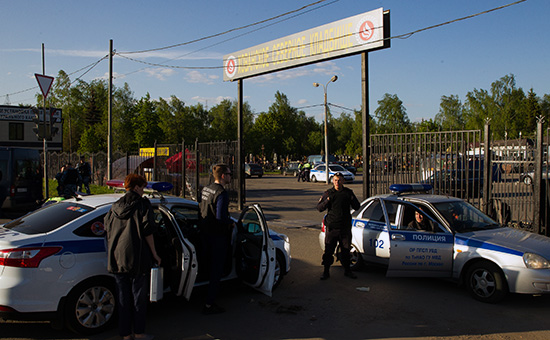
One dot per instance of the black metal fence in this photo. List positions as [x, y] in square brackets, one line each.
[453, 162]
[187, 167]
[514, 177]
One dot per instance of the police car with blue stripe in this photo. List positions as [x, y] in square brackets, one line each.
[416, 234]
[53, 261]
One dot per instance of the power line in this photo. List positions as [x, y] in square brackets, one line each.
[401, 36]
[219, 43]
[228, 31]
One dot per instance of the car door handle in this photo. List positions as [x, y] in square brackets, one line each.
[398, 237]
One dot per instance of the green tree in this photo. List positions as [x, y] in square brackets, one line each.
[391, 115]
[276, 129]
[224, 118]
[146, 123]
[450, 116]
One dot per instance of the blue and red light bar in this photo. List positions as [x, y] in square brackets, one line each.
[151, 186]
[408, 188]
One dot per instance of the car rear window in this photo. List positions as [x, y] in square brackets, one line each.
[48, 218]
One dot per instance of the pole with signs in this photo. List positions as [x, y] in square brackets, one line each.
[45, 83]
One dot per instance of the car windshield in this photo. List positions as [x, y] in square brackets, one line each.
[334, 167]
[48, 218]
[464, 217]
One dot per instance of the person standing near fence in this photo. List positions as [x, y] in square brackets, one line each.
[85, 172]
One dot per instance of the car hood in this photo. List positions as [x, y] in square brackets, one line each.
[507, 240]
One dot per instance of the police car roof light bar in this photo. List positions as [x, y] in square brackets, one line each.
[408, 188]
[118, 184]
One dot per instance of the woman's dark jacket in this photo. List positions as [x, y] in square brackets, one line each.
[127, 224]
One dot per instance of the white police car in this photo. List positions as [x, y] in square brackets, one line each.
[456, 241]
[53, 263]
[319, 173]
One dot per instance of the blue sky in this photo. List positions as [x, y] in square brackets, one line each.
[450, 60]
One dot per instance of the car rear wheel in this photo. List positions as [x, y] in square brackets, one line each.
[91, 306]
[486, 282]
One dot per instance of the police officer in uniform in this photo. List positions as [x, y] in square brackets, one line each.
[338, 200]
[216, 225]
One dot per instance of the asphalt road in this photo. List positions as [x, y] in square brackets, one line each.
[303, 307]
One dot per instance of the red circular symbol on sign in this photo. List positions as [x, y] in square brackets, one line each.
[366, 30]
[231, 66]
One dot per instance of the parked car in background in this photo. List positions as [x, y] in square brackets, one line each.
[527, 177]
[292, 169]
[53, 261]
[20, 178]
[348, 166]
[319, 173]
[253, 169]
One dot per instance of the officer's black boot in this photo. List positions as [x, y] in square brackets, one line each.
[326, 273]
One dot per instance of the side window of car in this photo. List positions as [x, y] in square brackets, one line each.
[93, 228]
[391, 209]
[374, 212]
[187, 218]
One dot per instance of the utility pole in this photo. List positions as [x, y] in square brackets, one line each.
[45, 143]
[110, 115]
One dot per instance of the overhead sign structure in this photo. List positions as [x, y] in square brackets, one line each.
[337, 39]
[45, 83]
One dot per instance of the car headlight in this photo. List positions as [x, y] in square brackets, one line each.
[535, 261]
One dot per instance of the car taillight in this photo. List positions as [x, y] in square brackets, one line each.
[26, 257]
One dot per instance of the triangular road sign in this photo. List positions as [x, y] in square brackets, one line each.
[45, 83]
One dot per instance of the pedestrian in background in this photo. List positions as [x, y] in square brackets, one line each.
[130, 225]
[339, 201]
[71, 180]
[85, 171]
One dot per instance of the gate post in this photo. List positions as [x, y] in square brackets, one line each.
[487, 168]
[197, 172]
[540, 227]
[183, 181]
[366, 124]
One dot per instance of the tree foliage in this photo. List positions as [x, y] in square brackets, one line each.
[283, 129]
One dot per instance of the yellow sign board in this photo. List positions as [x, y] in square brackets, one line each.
[164, 151]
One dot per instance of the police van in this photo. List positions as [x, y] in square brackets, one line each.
[20, 178]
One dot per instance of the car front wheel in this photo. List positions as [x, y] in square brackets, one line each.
[486, 282]
[91, 306]
[313, 179]
[279, 270]
[356, 262]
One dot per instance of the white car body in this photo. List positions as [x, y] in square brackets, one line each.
[469, 247]
[319, 173]
[72, 276]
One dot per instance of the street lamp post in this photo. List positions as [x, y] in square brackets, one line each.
[333, 79]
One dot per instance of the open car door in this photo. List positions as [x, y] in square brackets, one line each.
[255, 251]
[179, 258]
